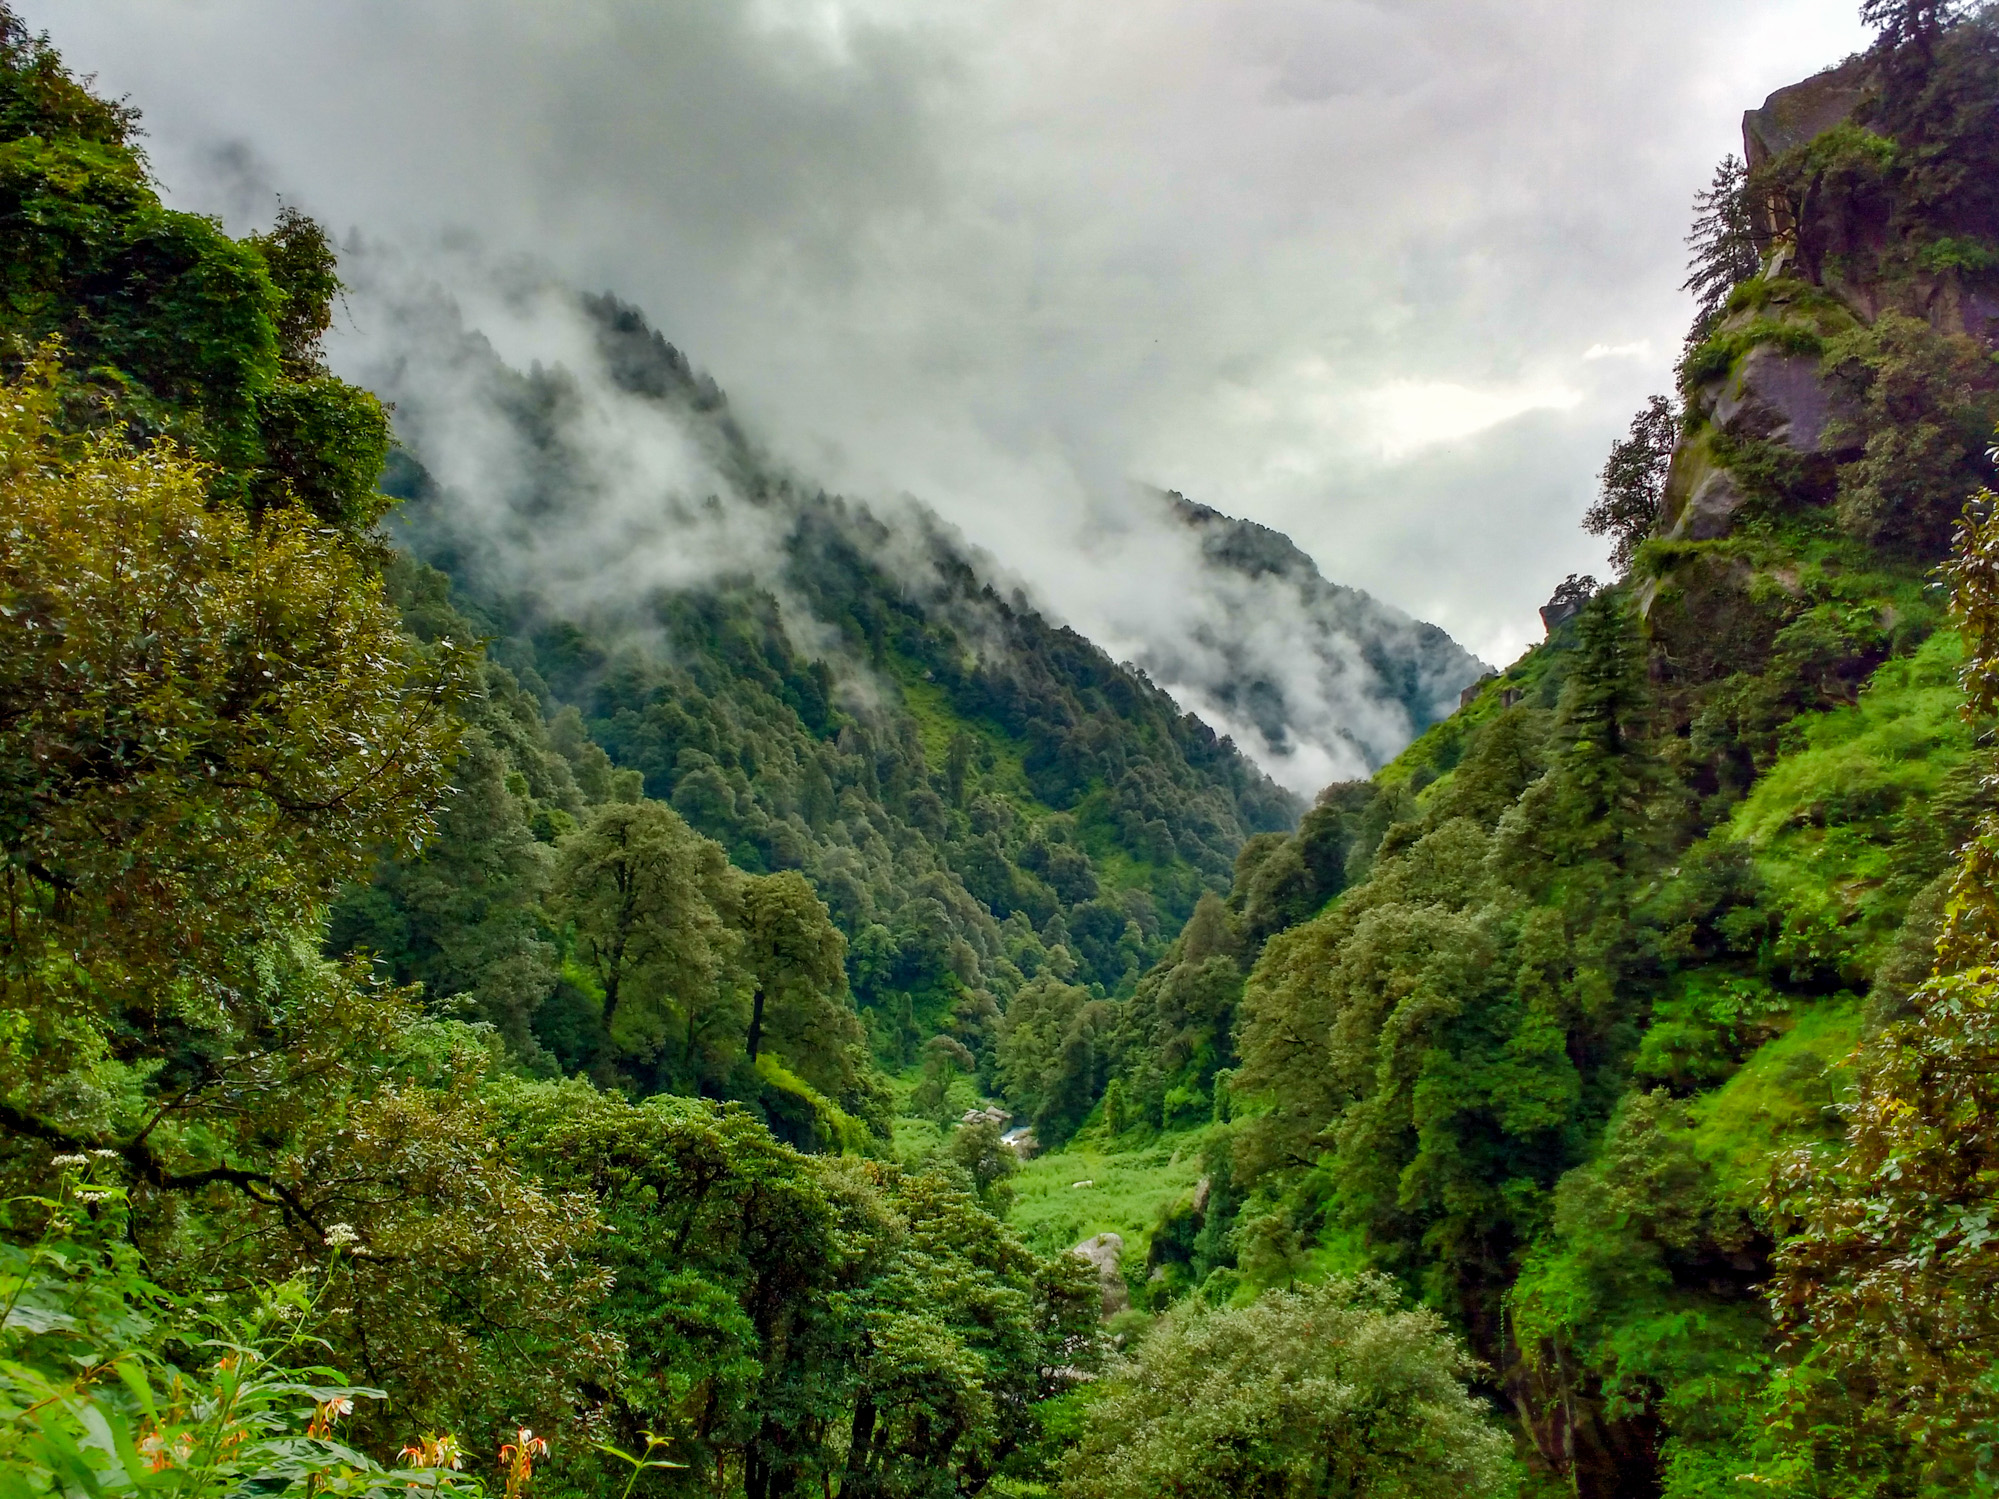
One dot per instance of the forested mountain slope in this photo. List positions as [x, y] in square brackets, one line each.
[445, 994]
[1322, 680]
[1532, 1020]
[230, 1166]
[976, 794]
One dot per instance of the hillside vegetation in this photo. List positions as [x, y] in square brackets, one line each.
[1601, 1020]
[978, 797]
[463, 1027]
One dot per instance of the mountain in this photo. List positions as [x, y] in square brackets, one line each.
[977, 794]
[526, 945]
[1603, 1016]
[1323, 682]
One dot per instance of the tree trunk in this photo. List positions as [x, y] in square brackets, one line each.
[756, 1023]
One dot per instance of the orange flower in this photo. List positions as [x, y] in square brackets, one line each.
[518, 1456]
[433, 1452]
[326, 1413]
[160, 1454]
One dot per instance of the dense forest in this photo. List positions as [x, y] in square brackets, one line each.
[460, 1033]
[977, 796]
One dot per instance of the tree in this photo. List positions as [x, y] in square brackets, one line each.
[644, 894]
[944, 1057]
[985, 1156]
[1723, 243]
[794, 1321]
[1632, 488]
[1336, 1390]
[1889, 1279]
[1054, 1045]
[795, 961]
[1905, 23]
[206, 727]
[1925, 403]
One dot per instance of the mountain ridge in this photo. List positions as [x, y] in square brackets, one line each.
[1361, 673]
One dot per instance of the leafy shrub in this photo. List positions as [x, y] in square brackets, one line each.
[110, 1386]
[1337, 1390]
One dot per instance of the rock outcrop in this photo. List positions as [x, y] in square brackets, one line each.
[1106, 1252]
[1776, 397]
[1802, 111]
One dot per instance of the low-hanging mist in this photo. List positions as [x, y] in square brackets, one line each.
[510, 389]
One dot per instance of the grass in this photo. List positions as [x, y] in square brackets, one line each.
[917, 1137]
[1783, 1097]
[1129, 1189]
[1900, 740]
[1824, 821]
[938, 722]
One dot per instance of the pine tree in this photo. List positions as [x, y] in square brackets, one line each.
[1902, 23]
[1723, 243]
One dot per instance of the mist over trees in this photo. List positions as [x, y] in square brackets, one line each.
[459, 1033]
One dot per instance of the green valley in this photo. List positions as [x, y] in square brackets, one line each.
[547, 954]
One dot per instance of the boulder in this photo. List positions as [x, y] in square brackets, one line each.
[1710, 509]
[1558, 612]
[1777, 397]
[1105, 1251]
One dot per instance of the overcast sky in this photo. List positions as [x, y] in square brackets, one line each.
[1388, 277]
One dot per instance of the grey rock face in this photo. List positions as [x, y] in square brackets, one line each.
[1793, 115]
[1555, 614]
[1105, 1251]
[1777, 397]
[1710, 512]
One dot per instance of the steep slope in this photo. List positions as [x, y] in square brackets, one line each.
[1529, 1020]
[234, 1168]
[1321, 681]
[977, 794]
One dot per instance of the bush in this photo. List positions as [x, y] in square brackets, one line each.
[109, 1386]
[1334, 1390]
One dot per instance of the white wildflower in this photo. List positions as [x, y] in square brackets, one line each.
[341, 1236]
[71, 1160]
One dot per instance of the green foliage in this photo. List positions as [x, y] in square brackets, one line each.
[204, 725]
[167, 325]
[1632, 487]
[789, 1319]
[1054, 1053]
[1890, 1267]
[1337, 1390]
[1537, 1060]
[966, 786]
[1926, 402]
[109, 1385]
[211, 718]
[1723, 246]
[977, 1149]
[1127, 1187]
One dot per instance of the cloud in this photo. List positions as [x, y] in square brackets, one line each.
[573, 458]
[1325, 263]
